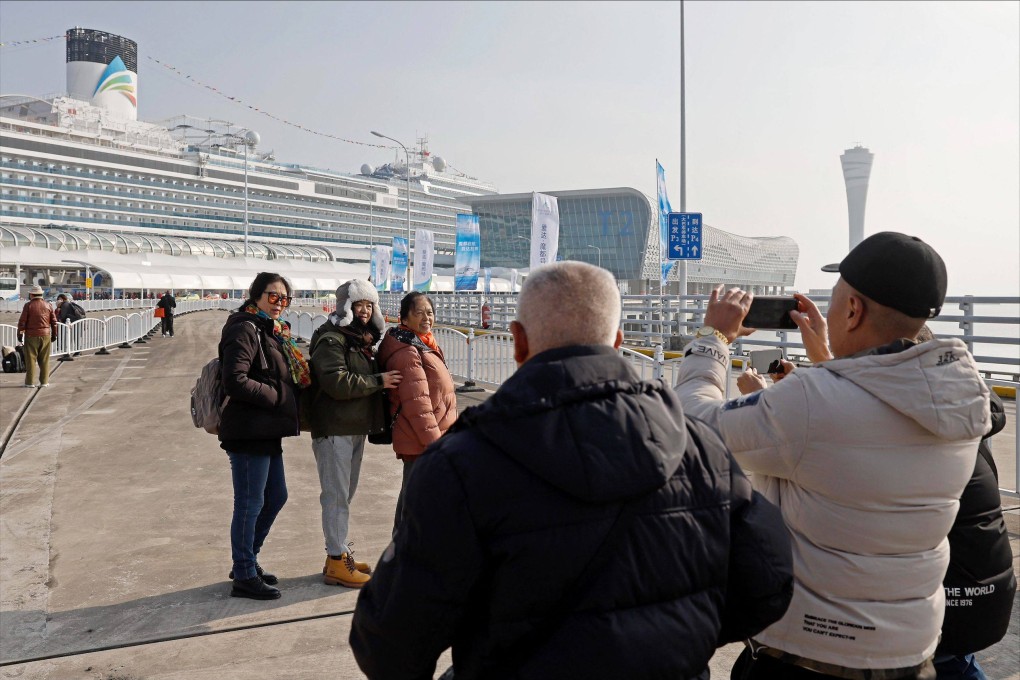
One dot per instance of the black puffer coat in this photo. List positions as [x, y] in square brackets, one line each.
[504, 512]
[980, 582]
[263, 403]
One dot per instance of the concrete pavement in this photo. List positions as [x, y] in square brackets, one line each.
[114, 533]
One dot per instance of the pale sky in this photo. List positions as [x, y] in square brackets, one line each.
[554, 96]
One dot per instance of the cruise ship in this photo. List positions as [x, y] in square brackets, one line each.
[78, 171]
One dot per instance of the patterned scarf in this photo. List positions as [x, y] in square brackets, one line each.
[295, 360]
[428, 340]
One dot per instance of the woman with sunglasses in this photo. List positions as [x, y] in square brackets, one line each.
[262, 370]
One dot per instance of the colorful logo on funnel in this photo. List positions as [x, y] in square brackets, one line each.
[116, 78]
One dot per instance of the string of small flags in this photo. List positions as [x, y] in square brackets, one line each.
[11, 44]
[256, 109]
[22, 43]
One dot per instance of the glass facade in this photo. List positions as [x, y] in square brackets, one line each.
[607, 227]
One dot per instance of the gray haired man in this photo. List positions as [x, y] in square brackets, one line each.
[576, 524]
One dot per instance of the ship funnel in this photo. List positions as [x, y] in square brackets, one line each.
[102, 68]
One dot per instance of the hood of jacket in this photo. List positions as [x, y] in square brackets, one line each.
[935, 383]
[350, 292]
[580, 419]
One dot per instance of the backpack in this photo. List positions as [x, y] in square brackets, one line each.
[208, 398]
[77, 312]
[14, 361]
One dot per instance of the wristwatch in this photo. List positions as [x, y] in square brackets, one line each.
[706, 331]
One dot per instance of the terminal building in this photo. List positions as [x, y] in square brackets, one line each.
[86, 188]
[618, 229]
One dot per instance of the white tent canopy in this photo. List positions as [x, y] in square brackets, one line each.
[149, 271]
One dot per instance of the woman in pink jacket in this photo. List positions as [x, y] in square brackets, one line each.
[425, 401]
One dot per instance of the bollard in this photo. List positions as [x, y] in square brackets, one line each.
[469, 384]
[659, 362]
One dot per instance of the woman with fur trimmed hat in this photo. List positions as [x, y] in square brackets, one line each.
[426, 399]
[342, 411]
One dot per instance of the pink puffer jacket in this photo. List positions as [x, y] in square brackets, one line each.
[428, 403]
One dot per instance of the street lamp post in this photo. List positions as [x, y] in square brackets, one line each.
[251, 139]
[600, 254]
[407, 155]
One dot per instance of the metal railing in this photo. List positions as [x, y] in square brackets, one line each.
[485, 357]
[650, 320]
[94, 333]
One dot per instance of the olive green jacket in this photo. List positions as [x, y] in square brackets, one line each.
[347, 396]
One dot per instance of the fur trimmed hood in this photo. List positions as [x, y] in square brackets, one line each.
[350, 292]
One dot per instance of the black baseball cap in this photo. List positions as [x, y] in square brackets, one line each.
[898, 271]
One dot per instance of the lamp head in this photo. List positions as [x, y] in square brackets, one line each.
[251, 138]
[377, 134]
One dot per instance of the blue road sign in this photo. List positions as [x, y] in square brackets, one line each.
[684, 231]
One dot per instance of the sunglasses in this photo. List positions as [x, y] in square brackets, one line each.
[276, 297]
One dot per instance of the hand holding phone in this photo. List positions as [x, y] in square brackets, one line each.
[771, 312]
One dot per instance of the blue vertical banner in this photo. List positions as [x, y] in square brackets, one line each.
[488, 280]
[664, 211]
[468, 255]
[398, 277]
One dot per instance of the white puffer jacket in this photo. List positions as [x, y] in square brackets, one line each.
[867, 458]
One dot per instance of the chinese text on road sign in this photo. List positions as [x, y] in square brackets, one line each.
[685, 230]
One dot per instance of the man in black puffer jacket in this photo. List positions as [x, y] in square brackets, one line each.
[980, 583]
[575, 525]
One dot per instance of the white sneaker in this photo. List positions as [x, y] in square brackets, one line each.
[31, 387]
[45, 385]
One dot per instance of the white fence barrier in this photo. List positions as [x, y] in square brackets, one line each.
[95, 333]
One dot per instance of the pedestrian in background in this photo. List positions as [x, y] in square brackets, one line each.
[425, 403]
[345, 405]
[68, 312]
[574, 525]
[37, 329]
[168, 304]
[262, 370]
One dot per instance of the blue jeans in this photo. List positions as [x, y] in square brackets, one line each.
[260, 492]
[958, 668]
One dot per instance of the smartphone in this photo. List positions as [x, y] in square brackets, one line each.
[771, 313]
[775, 367]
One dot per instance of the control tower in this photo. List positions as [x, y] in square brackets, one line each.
[102, 68]
[856, 171]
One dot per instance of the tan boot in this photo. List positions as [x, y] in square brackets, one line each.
[343, 572]
[360, 566]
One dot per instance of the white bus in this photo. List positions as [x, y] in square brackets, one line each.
[9, 289]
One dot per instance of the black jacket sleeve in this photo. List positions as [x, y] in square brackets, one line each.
[760, 581]
[242, 349]
[408, 613]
